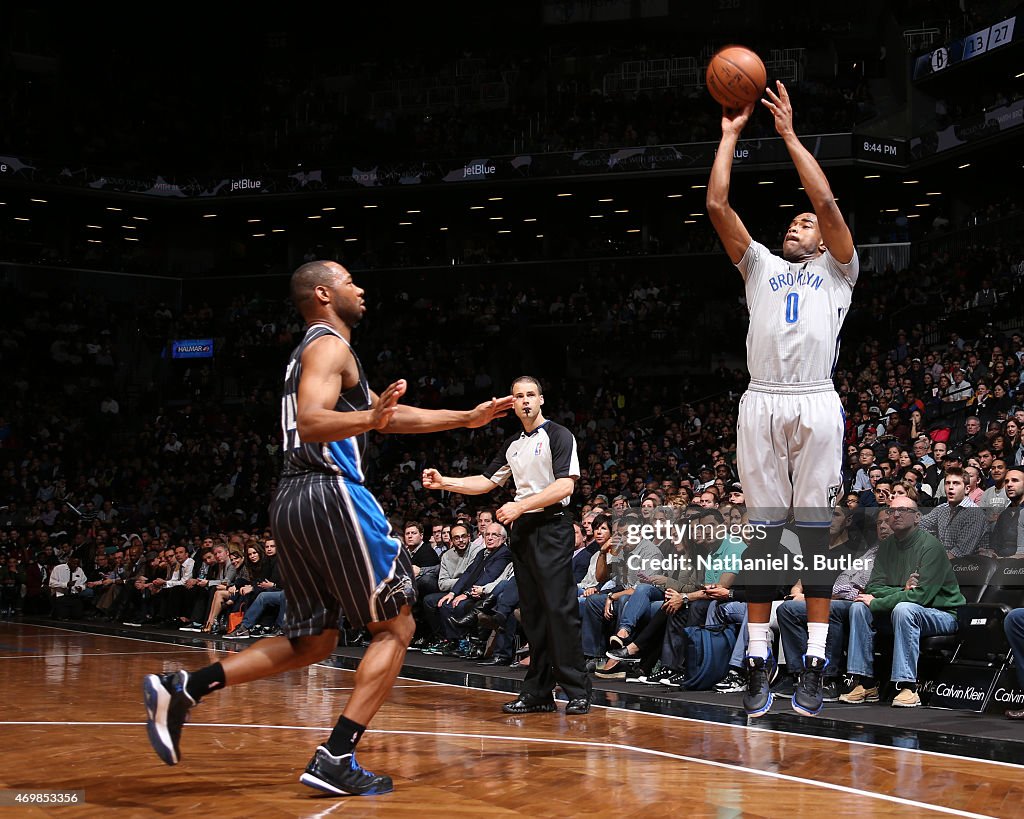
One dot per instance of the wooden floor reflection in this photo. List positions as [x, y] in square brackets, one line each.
[71, 719]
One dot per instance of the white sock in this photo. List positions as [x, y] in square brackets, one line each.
[759, 638]
[817, 634]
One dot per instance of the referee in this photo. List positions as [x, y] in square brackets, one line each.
[543, 463]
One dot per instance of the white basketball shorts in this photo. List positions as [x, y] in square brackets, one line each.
[789, 452]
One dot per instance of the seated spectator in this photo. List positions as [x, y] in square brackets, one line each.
[196, 598]
[682, 586]
[1007, 538]
[623, 555]
[959, 523]
[454, 563]
[591, 582]
[475, 583]
[12, 584]
[993, 500]
[67, 582]
[689, 608]
[253, 614]
[913, 589]
[220, 589]
[420, 553]
[495, 614]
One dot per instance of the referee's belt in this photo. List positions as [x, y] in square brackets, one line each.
[547, 512]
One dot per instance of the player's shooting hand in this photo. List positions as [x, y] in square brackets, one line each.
[482, 414]
[781, 108]
[432, 479]
[733, 119]
[383, 411]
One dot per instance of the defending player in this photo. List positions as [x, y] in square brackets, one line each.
[336, 549]
[790, 429]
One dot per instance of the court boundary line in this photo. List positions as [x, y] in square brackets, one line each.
[758, 728]
[856, 742]
[95, 654]
[885, 797]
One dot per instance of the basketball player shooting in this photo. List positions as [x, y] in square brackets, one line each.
[789, 436]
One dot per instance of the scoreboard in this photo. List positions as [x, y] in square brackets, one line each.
[982, 42]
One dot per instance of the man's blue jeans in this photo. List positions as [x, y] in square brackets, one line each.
[910, 622]
[792, 617]
[640, 606]
[264, 599]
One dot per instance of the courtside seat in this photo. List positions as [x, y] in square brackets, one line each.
[973, 573]
[981, 622]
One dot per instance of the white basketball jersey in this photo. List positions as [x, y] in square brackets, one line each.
[796, 313]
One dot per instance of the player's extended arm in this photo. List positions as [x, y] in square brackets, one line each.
[315, 416]
[834, 232]
[732, 232]
[470, 485]
[413, 419]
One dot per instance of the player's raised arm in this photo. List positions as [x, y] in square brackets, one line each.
[731, 230]
[415, 420]
[323, 364]
[834, 232]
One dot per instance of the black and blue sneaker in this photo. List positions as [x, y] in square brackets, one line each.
[758, 698]
[343, 776]
[167, 707]
[809, 694]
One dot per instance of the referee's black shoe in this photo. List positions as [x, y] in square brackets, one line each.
[526, 704]
[343, 776]
[167, 707]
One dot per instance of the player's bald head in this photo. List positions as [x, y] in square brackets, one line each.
[308, 277]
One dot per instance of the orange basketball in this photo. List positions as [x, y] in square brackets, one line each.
[736, 76]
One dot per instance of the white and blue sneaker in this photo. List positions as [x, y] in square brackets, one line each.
[343, 776]
[167, 707]
[758, 698]
[809, 694]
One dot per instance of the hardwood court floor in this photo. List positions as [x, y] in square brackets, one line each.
[71, 718]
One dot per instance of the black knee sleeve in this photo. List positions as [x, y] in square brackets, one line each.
[761, 585]
[820, 571]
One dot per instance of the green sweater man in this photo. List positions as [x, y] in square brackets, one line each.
[913, 568]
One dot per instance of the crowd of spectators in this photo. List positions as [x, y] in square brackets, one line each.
[131, 466]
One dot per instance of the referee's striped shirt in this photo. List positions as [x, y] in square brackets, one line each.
[535, 460]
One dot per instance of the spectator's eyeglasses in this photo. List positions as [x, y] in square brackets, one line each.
[492, 534]
[461, 537]
[899, 511]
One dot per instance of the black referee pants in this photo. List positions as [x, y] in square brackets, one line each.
[542, 545]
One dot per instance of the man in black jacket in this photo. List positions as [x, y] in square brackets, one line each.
[1007, 537]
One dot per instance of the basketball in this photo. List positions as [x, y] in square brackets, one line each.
[736, 76]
